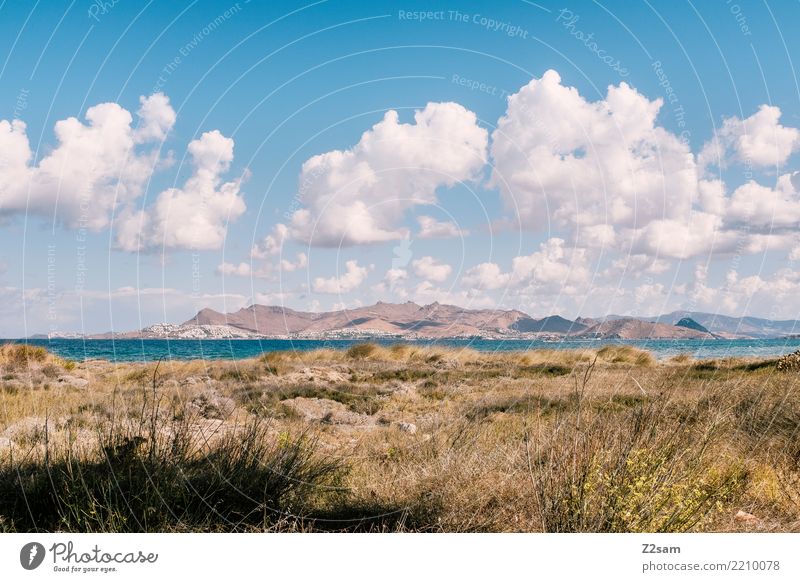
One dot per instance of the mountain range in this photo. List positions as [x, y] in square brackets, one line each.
[437, 320]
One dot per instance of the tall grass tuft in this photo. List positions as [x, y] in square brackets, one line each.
[17, 356]
[362, 351]
[636, 472]
[151, 474]
[622, 354]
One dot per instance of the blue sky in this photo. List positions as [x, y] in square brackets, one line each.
[584, 201]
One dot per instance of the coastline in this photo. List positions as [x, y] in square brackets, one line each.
[152, 349]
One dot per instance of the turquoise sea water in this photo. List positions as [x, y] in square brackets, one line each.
[129, 350]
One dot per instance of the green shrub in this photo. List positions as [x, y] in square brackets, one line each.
[542, 370]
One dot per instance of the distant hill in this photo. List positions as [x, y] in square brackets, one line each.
[550, 324]
[433, 320]
[261, 319]
[632, 329]
[723, 326]
[438, 320]
[690, 323]
[753, 327]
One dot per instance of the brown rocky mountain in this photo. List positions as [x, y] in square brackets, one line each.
[262, 319]
[439, 320]
[434, 320]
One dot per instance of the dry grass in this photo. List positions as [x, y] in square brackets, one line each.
[400, 438]
[622, 354]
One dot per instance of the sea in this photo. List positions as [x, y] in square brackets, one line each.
[148, 350]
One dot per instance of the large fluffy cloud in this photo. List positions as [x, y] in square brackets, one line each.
[95, 167]
[195, 216]
[359, 196]
[563, 161]
[607, 176]
[100, 168]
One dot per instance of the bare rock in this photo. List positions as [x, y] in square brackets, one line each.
[745, 517]
[319, 375]
[408, 427]
[212, 405]
[326, 411]
[446, 364]
[73, 381]
[31, 429]
[199, 381]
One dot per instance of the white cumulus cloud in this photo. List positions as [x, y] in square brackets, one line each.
[231, 269]
[760, 206]
[350, 280]
[429, 227]
[359, 196]
[561, 159]
[300, 262]
[677, 239]
[95, 168]
[271, 244]
[485, 276]
[555, 267]
[99, 169]
[759, 140]
[431, 269]
[195, 216]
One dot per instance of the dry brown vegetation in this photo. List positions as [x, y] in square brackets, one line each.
[399, 439]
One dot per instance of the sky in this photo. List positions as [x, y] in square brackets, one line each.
[581, 158]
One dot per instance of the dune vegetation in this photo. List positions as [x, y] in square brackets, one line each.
[400, 438]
